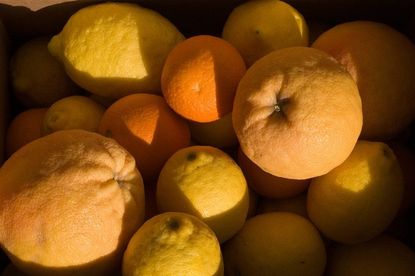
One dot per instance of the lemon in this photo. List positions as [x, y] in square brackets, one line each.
[277, 243]
[257, 28]
[382, 256]
[37, 78]
[173, 244]
[74, 112]
[205, 182]
[115, 49]
[357, 200]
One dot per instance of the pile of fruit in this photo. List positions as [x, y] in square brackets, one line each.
[140, 151]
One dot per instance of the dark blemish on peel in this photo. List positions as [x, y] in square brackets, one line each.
[173, 224]
[191, 156]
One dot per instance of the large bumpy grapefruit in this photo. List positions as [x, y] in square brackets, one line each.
[69, 203]
[297, 113]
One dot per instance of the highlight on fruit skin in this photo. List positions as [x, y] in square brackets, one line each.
[357, 200]
[207, 183]
[69, 203]
[173, 243]
[146, 126]
[297, 113]
[200, 77]
[115, 49]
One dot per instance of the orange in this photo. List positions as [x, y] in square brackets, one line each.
[200, 77]
[269, 185]
[69, 203]
[24, 128]
[382, 62]
[297, 113]
[146, 126]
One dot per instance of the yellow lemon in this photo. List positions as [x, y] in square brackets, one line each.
[37, 78]
[277, 243]
[171, 244]
[74, 112]
[257, 28]
[382, 256]
[357, 200]
[205, 182]
[115, 49]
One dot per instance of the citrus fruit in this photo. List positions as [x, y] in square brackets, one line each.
[257, 28]
[382, 62]
[200, 77]
[205, 182]
[37, 78]
[269, 185]
[69, 202]
[173, 243]
[277, 243]
[146, 126]
[24, 128]
[74, 112]
[297, 113]
[383, 255]
[357, 200]
[115, 49]
[219, 133]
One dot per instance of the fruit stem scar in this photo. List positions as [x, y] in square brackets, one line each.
[277, 108]
[279, 105]
[173, 224]
[191, 156]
